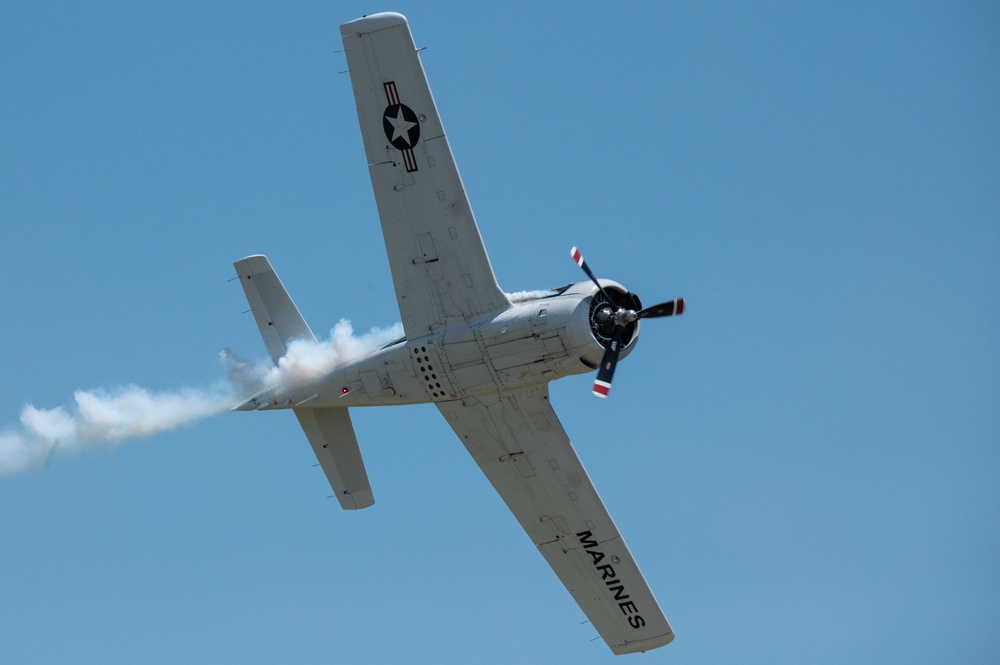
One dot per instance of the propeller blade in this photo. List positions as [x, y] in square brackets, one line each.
[622, 313]
[602, 384]
[674, 307]
[578, 257]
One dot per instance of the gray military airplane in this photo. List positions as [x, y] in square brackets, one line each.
[482, 358]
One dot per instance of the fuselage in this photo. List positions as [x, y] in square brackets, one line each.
[530, 342]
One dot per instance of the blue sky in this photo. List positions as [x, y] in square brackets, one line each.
[805, 465]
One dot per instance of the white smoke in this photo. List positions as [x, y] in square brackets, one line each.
[307, 360]
[524, 296]
[104, 417]
[108, 417]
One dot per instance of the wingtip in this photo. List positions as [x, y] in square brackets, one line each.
[372, 23]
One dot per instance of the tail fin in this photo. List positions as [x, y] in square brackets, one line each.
[329, 430]
[277, 316]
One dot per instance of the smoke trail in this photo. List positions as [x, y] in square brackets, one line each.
[105, 416]
[108, 417]
[524, 296]
[306, 360]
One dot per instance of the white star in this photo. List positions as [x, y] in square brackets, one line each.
[402, 126]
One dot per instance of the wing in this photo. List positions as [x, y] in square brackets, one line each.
[438, 261]
[519, 444]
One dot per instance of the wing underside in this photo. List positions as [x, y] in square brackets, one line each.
[439, 264]
[520, 445]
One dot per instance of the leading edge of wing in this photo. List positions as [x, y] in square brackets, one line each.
[519, 443]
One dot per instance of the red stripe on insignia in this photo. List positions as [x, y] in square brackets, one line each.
[390, 92]
[601, 389]
[411, 161]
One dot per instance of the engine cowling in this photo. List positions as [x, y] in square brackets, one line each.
[592, 327]
[615, 321]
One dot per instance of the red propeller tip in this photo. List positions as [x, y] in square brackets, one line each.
[601, 389]
[577, 256]
[680, 306]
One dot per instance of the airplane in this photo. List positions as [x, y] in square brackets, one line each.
[484, 359]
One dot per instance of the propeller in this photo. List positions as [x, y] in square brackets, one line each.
[618, 317]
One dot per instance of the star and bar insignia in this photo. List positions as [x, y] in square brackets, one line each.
[401, 126]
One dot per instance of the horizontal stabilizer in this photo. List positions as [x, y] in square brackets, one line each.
[332, 438]
[277, 316]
